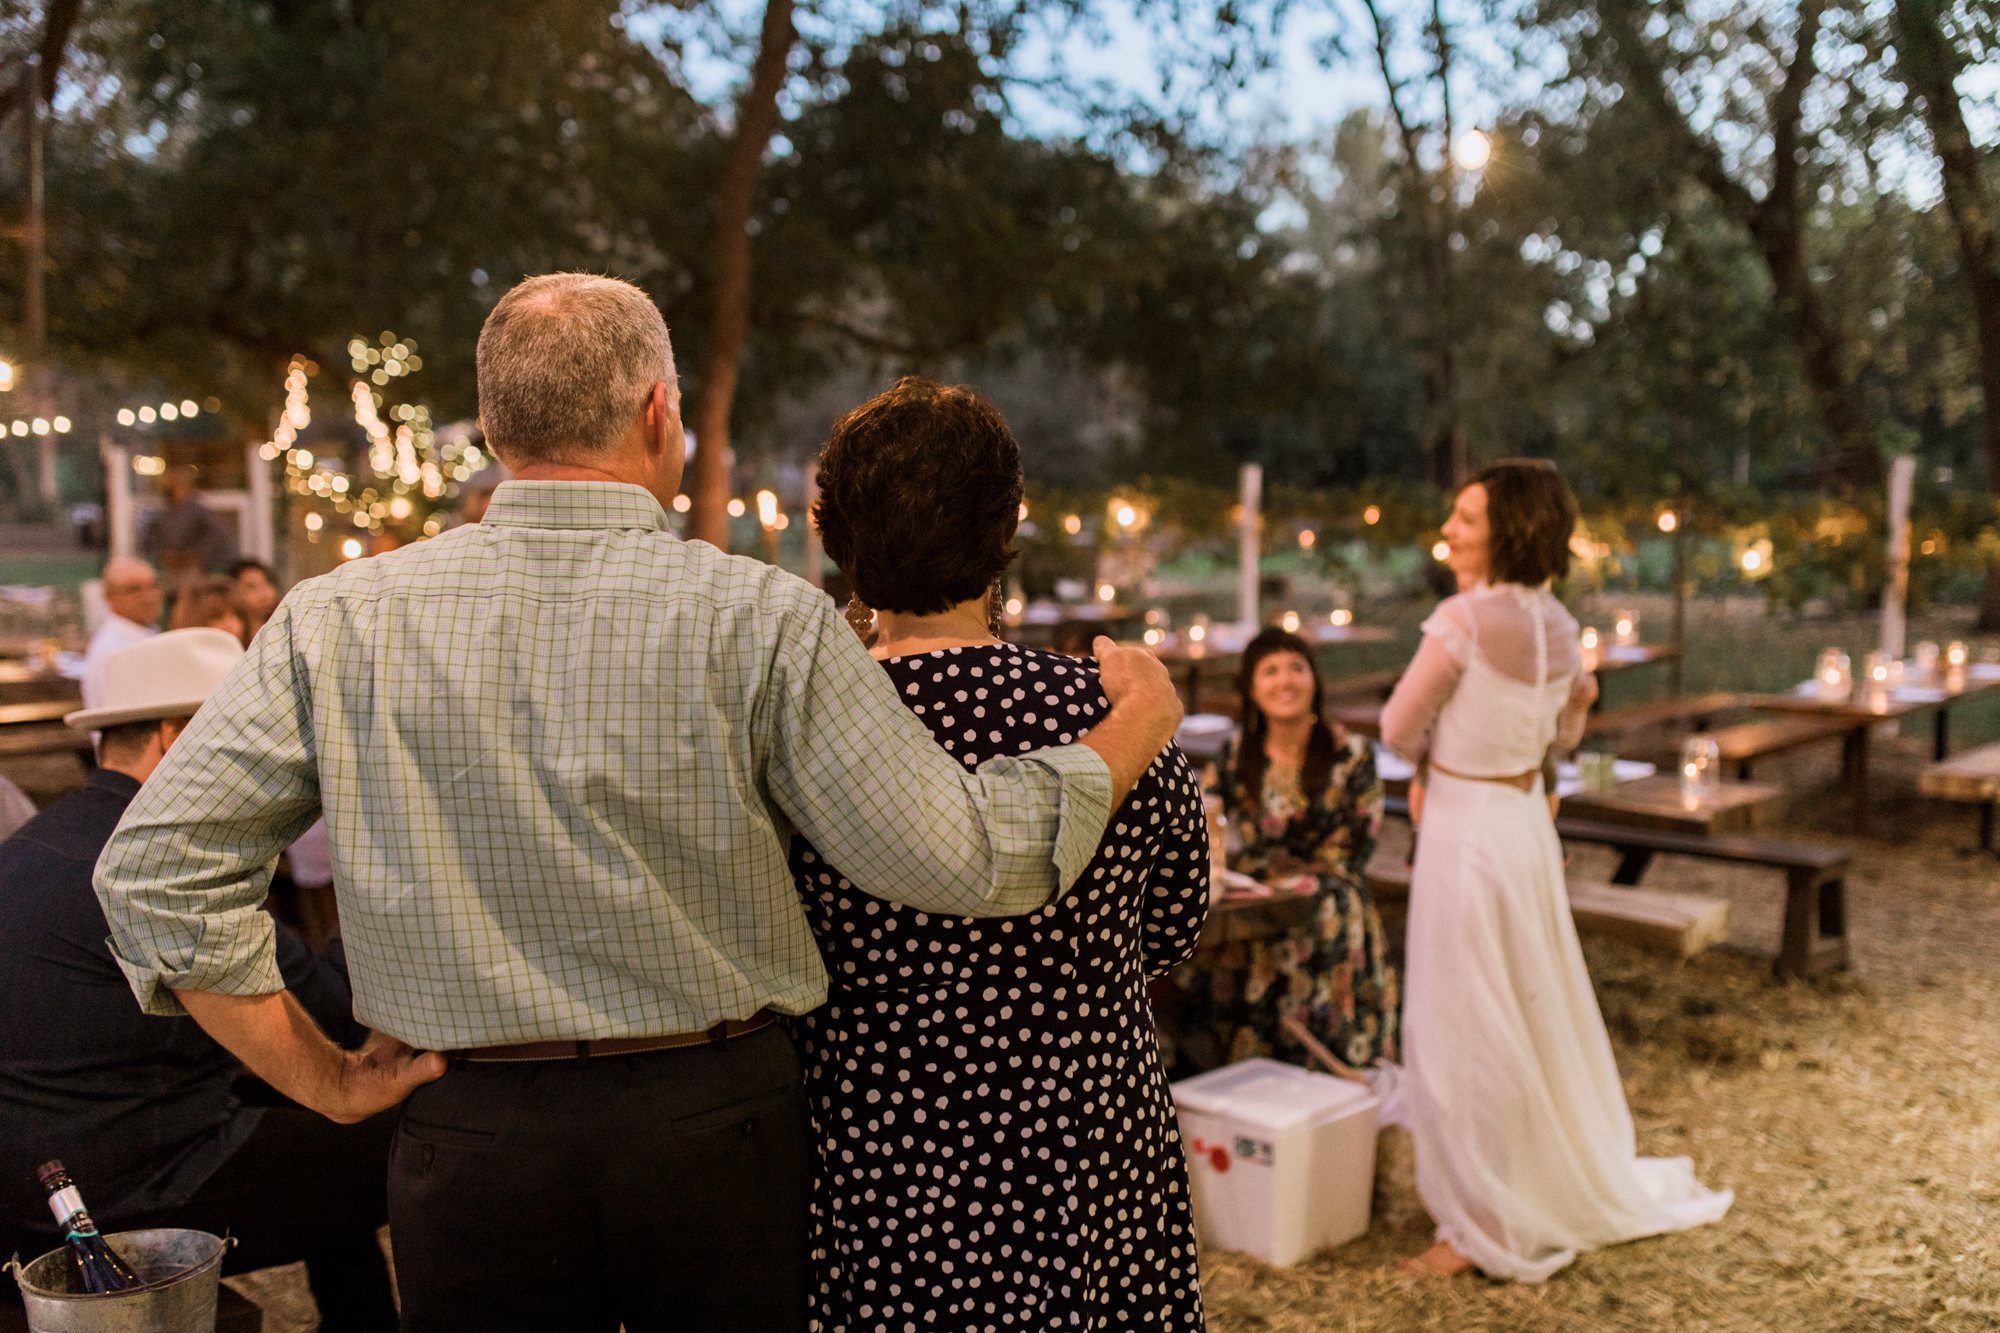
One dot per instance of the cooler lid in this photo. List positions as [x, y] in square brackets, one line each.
[1271, 1095]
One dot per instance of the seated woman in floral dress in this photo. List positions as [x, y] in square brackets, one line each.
[1301, 801]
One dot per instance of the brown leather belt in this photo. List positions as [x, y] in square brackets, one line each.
[1521, 782]
[581, 1051]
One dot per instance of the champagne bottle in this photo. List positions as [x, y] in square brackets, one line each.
[101, 1266]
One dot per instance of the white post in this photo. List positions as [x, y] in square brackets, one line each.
[118, 498]
[1250, 550]
[813, 553]
[1897, 591]
[257, 533]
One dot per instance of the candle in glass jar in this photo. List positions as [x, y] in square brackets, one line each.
[1590, 649]
[1625, 628]
[1701, 770]
[1834, 677]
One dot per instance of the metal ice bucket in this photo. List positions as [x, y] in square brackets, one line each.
[181, 1269]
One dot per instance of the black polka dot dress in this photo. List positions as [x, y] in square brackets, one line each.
[998, 1145]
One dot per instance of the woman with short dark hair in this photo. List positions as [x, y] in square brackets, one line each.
[998, 1146]
[1525, 1148]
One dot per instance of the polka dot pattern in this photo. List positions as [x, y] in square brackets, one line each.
[998, 1145]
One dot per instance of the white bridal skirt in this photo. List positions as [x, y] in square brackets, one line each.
[1524, 1145]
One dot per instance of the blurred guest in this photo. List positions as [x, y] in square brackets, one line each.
[478, 491]
[1302, 807]
[142, 1109]
[257, 590]
[186, 537]
[132, 598]
[212, 603]
[15, 808]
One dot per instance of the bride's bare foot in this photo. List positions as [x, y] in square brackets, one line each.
[1440, 1260]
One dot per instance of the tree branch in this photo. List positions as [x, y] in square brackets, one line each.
[55, 40]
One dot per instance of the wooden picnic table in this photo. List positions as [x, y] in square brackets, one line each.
[1212, 662]
[1655, 803]
[1869, 708]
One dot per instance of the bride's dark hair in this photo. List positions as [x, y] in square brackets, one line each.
[1251, 761]
[919, 496]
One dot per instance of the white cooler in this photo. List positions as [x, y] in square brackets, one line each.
[1282, 1159]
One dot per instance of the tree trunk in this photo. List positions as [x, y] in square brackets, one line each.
[729, 326]
[1775, 222]
[1930, 67]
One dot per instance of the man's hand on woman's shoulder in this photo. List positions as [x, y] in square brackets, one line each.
[1145, 712]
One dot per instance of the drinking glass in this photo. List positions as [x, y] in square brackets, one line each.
[1701, 769]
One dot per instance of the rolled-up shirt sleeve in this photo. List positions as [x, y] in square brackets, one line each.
[183, 876]
[861, 777]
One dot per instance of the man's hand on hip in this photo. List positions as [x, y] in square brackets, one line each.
[1145, 712]
[279, 1043]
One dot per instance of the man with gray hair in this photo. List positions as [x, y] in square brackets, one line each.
[561, 754]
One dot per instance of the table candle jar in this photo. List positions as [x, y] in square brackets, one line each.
[1955, 654]
[1834, 677]
[1878, 675]
[1927, 662]
[1589, 642]
[1701, 769]
[1625, 627]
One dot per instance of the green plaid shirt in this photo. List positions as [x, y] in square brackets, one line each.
[561, 754]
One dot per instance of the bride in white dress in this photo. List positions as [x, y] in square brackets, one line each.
[1525, 1152]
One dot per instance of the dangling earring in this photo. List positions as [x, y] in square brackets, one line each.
[860, 619]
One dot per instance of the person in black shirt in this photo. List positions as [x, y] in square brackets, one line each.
[144, 1111]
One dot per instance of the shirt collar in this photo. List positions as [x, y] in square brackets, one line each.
[575, 504]
[122, 785]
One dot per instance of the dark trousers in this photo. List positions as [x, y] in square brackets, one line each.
[300, 1187]
[665, 1191]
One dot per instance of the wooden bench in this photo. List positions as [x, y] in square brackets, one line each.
[1699, 710]
[1973, 778]
[1677, 924]
[1745, 743]
[1815, 935]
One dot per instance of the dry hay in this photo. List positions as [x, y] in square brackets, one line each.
[1856, 1117]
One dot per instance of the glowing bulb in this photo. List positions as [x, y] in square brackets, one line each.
[1197, 633]
[1342, 617]
[1372, 515]
[351, 548]
[361, 518]
[1105, 592]
[147, 414]
[1590, 638]
[126, 416]
[1152, 637]
[189, 407]
[168, 412]
[1022, 517]
[1290, 621]
[303, 458]
[682, 504]
[62, 425]
[1753, 560]
[6, 376]
[767, 509]
[1473, 150]
[1072, 525]
[736, 509]
[1441, 552]
[1013, 606]
[1624, 628]
[1306, 539]
[39, 425]
[399, 507]
[1669, 521]
[1127, 516]
[314, 522]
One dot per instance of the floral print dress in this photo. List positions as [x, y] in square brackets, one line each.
[1334, 974]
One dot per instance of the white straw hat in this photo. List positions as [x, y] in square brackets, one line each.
[168, 675]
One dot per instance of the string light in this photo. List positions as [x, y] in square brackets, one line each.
[682, 504]
[1372, 515]
[736, 509]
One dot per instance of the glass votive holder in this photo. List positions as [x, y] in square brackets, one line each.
[1625, 627]
[1833, 678]
[1701, 769]
[1590, 641]
[1955, 654]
